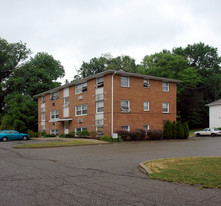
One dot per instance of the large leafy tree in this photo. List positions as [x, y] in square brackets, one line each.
[105, 62]
[35, 76]
[11, 56]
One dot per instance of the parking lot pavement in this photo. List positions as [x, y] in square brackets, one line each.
[100, 174]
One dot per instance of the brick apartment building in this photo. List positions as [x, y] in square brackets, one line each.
[107, 102]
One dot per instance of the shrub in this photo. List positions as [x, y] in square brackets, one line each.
[33, 134]
[186, 130]
[49, 135]
[42, 134]
[180, 131]
[140, 134]
[83, 133]
[174, 130]
[62, 136]
[124, 134]
[110, 139]
[93, 134]
[155, 134]
[167, 130]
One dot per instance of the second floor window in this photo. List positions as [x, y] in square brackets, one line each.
[81, 110]
[43, 116]
[81, 88]
[146, 106]
[100, 107]
[66, 101]
[165, 86]
[54, 95]
[125, 82]
[165, 107]
[125, 106]
[54, 114]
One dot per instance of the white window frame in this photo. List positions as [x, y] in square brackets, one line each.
[100, 106]
[146, 83]
[54, 95]
[99, 122]
[165, 107]
[80, 129]
[123, 109]
[79, 88]
[54, 114]
[146, 107]
[81, 109]
[54, 132]
[100, 82]
[123, 127]
[125, 81]
[146, 127]
[165, 86]
[42, 116]
[66, 101]
[43, 99]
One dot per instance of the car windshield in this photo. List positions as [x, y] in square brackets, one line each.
[205, 129]
[216, 129]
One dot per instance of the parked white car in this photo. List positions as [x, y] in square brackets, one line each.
[208, 132]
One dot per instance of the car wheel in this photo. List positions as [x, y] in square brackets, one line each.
[213, 134]
[4, 139]
[197, 134]
[25, 138]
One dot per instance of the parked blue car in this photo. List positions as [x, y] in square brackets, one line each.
[6, 135]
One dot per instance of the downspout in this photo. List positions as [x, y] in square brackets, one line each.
[112, 104]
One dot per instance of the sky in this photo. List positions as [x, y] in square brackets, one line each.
[73, 31]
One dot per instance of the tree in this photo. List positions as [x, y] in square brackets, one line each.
[35, 76]
[167, 131]
[11, 56]
[105, 62]
[186, 130]
[21, 113]
[180, 131]
[174, 130]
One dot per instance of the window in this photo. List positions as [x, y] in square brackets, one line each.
[100, 82]
[125, 82]
[81, 110]
[54, 114]
[99, 97]
[42, 127]
[99, 130]
[146, 106]
[66, 101]
[165, 107]
[165, 86]
[99, 122]
[43, 109]
[146, 127]
[43, 99]
[77, 130]
[43, 116]
[146, 83]
[54, 132]
[125, 127]
[54, 95]
[81, 88]
[100, 107]
[125, 106]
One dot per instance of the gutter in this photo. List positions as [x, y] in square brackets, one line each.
[112, 104]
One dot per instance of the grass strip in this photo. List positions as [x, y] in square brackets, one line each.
[191, 170]
[53, 144]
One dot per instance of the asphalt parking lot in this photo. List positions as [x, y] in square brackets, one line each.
[104, 174]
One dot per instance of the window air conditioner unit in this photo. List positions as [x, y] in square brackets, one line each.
[80, 97]
[80, 120]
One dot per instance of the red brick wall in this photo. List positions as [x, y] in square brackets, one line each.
[136, 93]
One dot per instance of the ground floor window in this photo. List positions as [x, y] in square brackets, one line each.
[99, 130]
[54, 132]
[125, 127]
[80, 129]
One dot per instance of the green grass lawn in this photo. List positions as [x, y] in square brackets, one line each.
[191, 170]
[53, 144]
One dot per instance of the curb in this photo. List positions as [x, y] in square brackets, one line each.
[145, 169]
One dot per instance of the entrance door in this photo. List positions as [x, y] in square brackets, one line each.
[66, 127]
